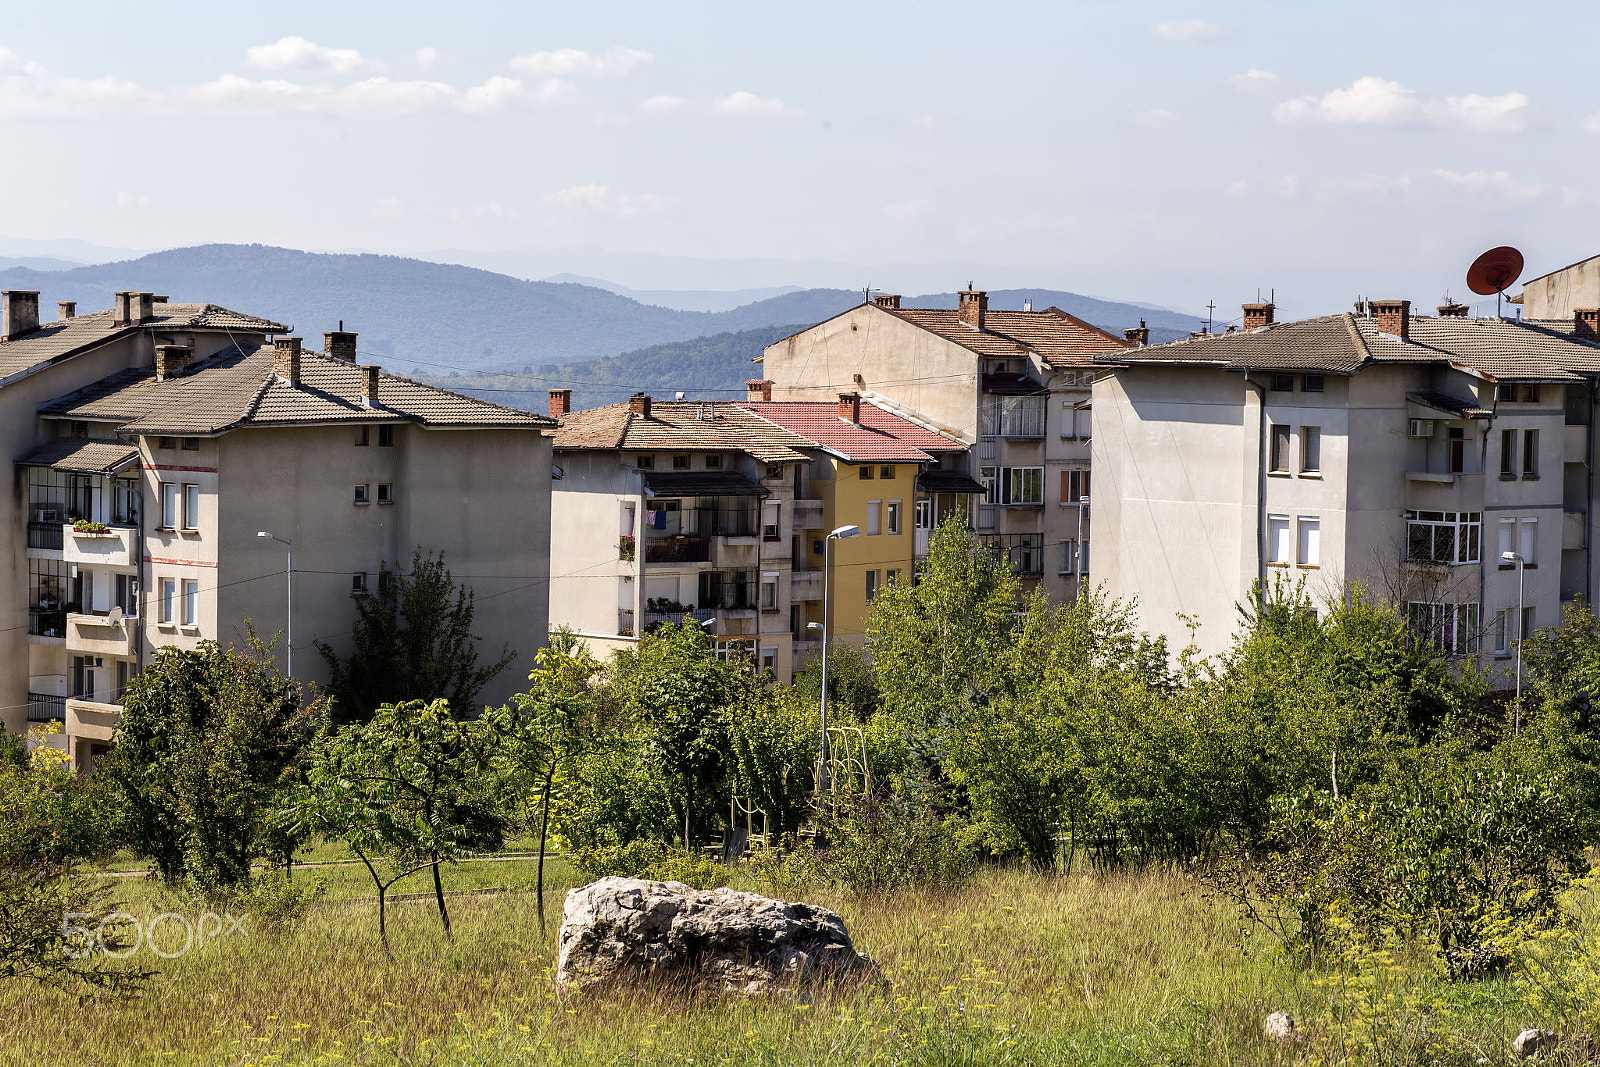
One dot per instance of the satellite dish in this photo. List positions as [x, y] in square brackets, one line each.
[1493, 271]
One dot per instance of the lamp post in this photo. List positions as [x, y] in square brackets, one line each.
[288, 569]
[841, 533]
[1516, 557]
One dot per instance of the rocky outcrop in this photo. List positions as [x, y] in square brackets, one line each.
[618, 929]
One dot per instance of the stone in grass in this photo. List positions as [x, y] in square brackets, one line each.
[1279, 1026]
[1529, 1042]
[621, 928]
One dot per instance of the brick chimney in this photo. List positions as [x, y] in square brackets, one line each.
[19, 313]
[1586, 323]
[66, 309]
[1392, 317]
[1137, 335]
[339, 344]
[170, 359]
[286, 358]
[369, 385]
[639, 404]
[974, 306]
[850, 407]
[1452, 310]
[560, 402]
[888, 300]
[758, 391]
[1258, 315]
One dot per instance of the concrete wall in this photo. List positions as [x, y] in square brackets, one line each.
[589, 581]
[845, 498]
[1555, 295]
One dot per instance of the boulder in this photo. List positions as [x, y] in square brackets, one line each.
[621, 928]
[1529, 1042]
[1279, 1026]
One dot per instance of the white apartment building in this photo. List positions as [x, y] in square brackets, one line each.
[1402, 451]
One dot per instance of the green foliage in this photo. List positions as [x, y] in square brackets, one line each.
[655, 860]
[412, 640]
[873, 846]
[207, 743]
[773, 737]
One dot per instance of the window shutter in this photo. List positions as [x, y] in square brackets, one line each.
[1311, 438]
[1310, 542]
[1280, 448]
[1066, 488]
[1528, 540]
[1278, 539]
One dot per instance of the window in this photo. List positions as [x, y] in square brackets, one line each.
[1083, 556]
[713, 463]
[169, 505]
[886, 472]
[1502, 625]
[1527, 541]
[891, 517]
[169, 600]
[361, 494]
[1443, 536]
[1012, 416]
[385, 493]
[1458, 450]
[1074, 487]
[1278, 540]
[646, 463]
[80, 429]
[680, 463]
[358, 583]
[769, 658]
[1507, 543]
[385, 582]
[166, 442]
[891, 577]
[361, 436]
[1067, 561]
[1283, 383]
[125, 501]
[385, 436]
[1507, 393]
[191, 506]
[1452, 628]
[191, 444]
[1280, 449]
[769, 592]
[922, 514]
[127, 595]
[1530, 394]
[1527, 624]
[1530, 453]
[769, 523]
[124, 669]
[774, 470]
[873, 509]
[1085, 416]
[864, 473]
[191, 602]
[1310, 450]
[1014, 485]
[1313, 383]
[872, 585]
[1310, 542]
[1508, 451]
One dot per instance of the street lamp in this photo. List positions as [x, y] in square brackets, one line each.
[289, 613]
[841, 533]
[1516, 557]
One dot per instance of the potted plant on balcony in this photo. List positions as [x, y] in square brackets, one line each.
[85, 528]
[625, 548]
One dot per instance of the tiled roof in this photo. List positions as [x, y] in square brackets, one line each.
[54, 341]
[702, 483]
[680, 426]
[1343, 344]
[882, 436]
[81, 454]
[1060, 339]
[238, 387]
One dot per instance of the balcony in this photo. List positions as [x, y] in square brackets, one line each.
[45, 535]
[805, 585]
[656, 619]
[91, 720]
[678, 549]
[102, 635]
[42, 707]
[112, 547]
[808, 515]
[1024, 552]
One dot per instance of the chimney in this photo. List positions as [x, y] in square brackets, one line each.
[339, 344]
[974, 305]
[141, 307]
[369, 385]
[66, 309]
[1586, 323]
[639, 404]
[120, 314]
[1258, 315]
[170, 358]
[888, 300]
[850, 407]
[161, 298]
[1137, 335]
[759, 390]
[1392, 317]
[560, 402]
[19, 313]
[1452, 310]
[286, 359]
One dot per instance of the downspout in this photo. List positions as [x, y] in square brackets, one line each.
[1261, 478]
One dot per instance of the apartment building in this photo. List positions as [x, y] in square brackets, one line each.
[148, 490]
[865, 471]
[1403, 451]
[674, 510]
[1013, 386]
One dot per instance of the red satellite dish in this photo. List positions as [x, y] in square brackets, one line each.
[1493, 271]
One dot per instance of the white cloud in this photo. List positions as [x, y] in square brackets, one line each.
[1288, 185]
[905, 211]
[923, 122]
[425, 58]
[1238, 188]
[1253, 81]
[1373, 101]
[132, 201]
[748, 105]
[600, 198]
[1158, 116]
[1368, 184]
[576, 63]
[660, 105]
[1184, 30]
[297, 53]
[1496, 182]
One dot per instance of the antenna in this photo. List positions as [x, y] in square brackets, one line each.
[1493, 271]
[1210, 310]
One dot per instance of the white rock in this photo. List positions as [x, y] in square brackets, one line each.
[1529, 1042]
[1279, 1026]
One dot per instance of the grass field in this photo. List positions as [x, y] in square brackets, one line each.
[1019, 969]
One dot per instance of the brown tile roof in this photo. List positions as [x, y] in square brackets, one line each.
[238, 387]
[678, 425]
[1060, 339]
[882, 436]
[82, 455]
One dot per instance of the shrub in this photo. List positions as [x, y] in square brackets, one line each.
[873, 846]
[655, 860]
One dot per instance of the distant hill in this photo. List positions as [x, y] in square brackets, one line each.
[681, 299]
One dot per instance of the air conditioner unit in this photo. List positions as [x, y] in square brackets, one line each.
[1419, 428]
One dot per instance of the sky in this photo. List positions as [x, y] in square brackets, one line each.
[1176, 154]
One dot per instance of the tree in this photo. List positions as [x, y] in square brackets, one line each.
[411, 786]
[208, 741]
[412, 640]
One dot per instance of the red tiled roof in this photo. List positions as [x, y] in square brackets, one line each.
[680, 425]
[882, 436]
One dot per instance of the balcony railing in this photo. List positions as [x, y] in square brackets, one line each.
[45, 535]
[654, 619]
[683, 548]
[1024, 552]
[45, 708]
[47, 623]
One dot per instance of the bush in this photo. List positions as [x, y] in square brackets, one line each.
[654, 860]
[268, 898]
[874, 846]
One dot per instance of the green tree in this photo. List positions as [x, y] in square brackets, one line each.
[208, 741]
[412, 640]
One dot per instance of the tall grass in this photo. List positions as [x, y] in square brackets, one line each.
[1133, 968]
